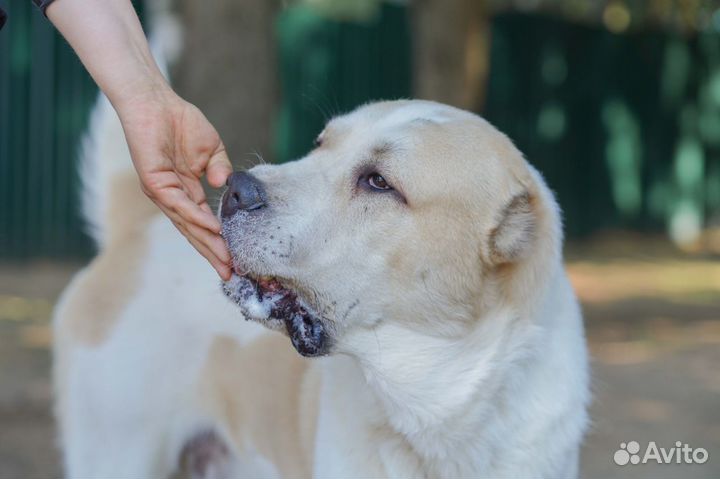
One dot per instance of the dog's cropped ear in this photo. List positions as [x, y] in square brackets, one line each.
[512, 239]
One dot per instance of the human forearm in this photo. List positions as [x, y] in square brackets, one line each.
[108, 38]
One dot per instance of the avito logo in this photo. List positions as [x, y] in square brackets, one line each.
[629, 453]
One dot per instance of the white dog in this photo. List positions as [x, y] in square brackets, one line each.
[414, 249]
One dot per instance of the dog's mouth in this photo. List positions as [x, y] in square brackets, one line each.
[268, 300]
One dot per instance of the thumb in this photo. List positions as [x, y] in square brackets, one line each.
[219, 168]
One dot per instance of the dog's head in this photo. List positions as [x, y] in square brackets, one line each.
[409, 212]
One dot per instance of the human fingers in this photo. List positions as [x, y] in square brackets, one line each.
[218, 168]
[210, 246]
[178, 202]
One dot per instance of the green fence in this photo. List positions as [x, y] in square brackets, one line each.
[625, 128]
[329, 67]
[45, 96]
[44, 99]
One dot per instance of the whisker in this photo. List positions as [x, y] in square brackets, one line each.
[258, 159]
[326, 109]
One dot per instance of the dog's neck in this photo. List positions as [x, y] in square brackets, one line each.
[451, 397]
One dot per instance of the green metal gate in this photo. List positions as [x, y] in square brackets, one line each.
[328, 67]
[625, 128]
[45, 97]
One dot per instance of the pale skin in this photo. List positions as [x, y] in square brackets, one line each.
[171, 142]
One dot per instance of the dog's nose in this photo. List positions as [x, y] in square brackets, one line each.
[245, 192]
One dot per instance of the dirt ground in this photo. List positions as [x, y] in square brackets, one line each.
[653, 322]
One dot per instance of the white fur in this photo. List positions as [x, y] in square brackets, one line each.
[442, 368]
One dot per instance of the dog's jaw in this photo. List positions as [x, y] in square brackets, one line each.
[268, 302]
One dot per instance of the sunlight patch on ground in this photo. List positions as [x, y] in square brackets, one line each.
[671, 279]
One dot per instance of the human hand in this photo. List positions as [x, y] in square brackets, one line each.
[171, 142]
[172, 145]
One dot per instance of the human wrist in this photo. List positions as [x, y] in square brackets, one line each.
[149, 90]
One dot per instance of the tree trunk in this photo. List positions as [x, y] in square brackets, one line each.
[228, 69]
[452, 45]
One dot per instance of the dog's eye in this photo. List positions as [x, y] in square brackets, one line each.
[317, 142]
[377, 182]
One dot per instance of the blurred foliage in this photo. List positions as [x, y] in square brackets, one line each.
[623, 15]
[353, 10]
